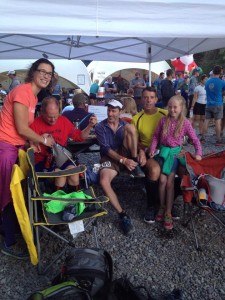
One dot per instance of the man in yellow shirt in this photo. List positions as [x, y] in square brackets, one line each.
[146, 122]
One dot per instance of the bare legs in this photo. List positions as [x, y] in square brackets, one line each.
[106, 177]
[166, 192]
[201, 122]
[130, 139]
[217, 128]
[106, 174]
[73, 180]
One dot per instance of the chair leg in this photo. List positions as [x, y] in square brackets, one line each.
[194, 230]
[212, 214]
[94, 224]
[188, 211]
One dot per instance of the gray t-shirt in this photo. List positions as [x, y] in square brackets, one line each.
[14, 83]
[137, 91]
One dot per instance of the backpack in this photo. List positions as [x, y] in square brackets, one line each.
[63, 291]
[123, 289]
[91, 268]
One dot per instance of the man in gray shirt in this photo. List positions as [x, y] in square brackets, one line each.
[192, 85]
[15, 81]
[138, 84]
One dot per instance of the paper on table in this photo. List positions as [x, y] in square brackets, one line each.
[99, 111]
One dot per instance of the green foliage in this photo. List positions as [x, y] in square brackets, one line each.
[207, 60]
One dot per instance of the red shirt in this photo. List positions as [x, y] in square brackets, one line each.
[61, 131]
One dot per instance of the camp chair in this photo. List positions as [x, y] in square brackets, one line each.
[47, 219]
[203, 191]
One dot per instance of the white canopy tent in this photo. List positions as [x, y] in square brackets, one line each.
[118, 30]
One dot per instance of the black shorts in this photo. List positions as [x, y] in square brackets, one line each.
[92, 96]
[199, 109]
[109, 163]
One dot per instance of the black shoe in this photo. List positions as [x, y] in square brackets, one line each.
[15, 251]
[175, 213]
[137, 172]
[126, 225]
[150, 215]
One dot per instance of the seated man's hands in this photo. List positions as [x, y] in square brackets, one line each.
[142, 157]
[49, 140]
[130, 164]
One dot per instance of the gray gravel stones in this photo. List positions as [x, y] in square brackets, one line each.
[147, 257]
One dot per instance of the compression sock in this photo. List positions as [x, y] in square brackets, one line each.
[72, 188]
[152, 191]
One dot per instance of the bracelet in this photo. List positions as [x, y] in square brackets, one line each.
[45, 140]
[121, 160]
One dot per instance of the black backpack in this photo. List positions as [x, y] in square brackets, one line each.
[92, 269]
[123, 289]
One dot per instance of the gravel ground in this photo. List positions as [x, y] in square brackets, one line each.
[148, 257]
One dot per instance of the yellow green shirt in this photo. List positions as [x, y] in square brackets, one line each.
[146, 125]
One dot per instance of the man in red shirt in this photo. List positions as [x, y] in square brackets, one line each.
[60, 128]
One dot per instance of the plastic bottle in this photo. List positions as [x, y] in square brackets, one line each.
[202, 194]
[203, 198]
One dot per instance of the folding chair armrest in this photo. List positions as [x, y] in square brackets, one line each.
[189, 188]
[68, 172]
[100, 199]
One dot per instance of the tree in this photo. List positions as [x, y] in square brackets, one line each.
[207, 60]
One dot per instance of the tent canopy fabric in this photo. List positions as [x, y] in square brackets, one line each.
[118, 30]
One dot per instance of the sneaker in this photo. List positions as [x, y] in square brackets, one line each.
[126, 225]
[137, 172]
[150, 215]
[15, 251]
[175, 213]
[168, 222]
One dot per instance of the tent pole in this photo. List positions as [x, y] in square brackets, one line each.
[149, 73]
[149, 66]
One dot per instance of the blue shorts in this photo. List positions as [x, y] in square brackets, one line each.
[175, 165]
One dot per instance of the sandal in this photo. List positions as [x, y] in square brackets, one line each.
[220, 143]
[160, 215]
[168, 222]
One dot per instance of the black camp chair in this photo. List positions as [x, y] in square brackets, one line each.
[40, 217]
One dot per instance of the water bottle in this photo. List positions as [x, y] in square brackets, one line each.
[202, 194]
[203, 197]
